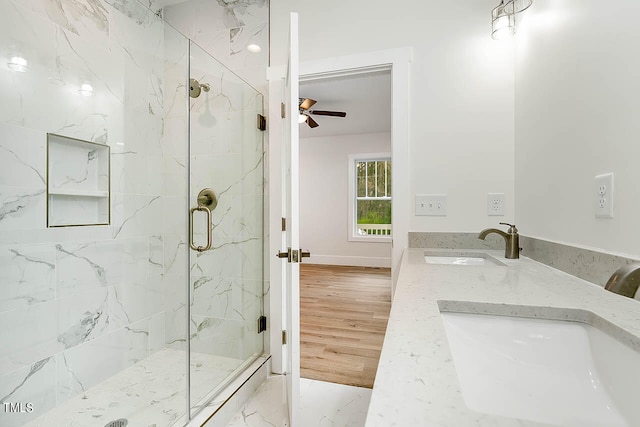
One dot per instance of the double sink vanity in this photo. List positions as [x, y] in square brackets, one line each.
[475, 339]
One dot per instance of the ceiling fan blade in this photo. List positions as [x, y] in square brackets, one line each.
[306, 103]
[328, 113]
[312, 123]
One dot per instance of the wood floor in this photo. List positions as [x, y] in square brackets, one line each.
[343, 318]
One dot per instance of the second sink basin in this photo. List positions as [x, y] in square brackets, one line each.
[564, 373]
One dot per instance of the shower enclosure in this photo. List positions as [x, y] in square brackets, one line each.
[127, 294]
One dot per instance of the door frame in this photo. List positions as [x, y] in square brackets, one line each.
[397, 62]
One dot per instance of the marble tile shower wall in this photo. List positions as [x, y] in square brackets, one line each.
[79, 304]
[225, 28]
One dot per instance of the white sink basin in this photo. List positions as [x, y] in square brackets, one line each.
[550, 371]
[460, 258]
[451, 260]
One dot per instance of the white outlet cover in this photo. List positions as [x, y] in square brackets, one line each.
[431, 204]
[495, 204]
[603, 195]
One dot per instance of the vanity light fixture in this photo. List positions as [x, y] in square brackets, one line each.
[18, 63]
[517, 6]
[503, 24]
[86, 90]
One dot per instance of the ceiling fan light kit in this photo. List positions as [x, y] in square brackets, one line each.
[306, 103]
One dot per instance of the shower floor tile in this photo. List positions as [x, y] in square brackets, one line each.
[149, 393]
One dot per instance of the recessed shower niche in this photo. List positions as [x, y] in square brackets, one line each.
[77, 182]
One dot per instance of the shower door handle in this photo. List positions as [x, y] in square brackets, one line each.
[207, 211]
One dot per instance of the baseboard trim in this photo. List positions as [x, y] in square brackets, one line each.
[354, 261]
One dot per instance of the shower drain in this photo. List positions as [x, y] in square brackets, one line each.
[117, 423]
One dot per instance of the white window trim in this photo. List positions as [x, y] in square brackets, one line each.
[352, 158]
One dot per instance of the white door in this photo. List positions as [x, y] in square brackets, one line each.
[291, 212]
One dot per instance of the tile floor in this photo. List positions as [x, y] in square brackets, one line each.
[156, 384]
[322, 404]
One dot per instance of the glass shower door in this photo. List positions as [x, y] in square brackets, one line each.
[226, 200]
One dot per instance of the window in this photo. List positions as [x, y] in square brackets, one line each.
[370, 197]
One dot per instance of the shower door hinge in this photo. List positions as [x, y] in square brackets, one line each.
[283, 110]
[284, 337]
[262, 122]
[262, 324]
[284, 224]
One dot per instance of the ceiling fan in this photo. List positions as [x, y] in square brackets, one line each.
[306, 103]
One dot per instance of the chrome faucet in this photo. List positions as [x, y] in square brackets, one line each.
[625, 281]
[511, 238]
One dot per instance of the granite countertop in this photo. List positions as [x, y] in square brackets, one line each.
[416, 382]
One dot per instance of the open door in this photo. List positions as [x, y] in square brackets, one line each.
[292, 255]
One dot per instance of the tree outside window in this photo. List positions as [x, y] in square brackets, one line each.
[373, 197]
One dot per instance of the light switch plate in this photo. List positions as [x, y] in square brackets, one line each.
[431, 204]
[603, 195]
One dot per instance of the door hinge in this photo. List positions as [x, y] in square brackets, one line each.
[262, 122]
[284, 224]
[262, 324]
[284, 337]
[283, 110]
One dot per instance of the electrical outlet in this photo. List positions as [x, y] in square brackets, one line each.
[603, 202]
[495, 204]
[431, 204]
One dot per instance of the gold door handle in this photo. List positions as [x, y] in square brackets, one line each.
[207, 211]
[286, 254]
[294, 256]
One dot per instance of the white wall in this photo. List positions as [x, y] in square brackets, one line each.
[577, 110]
[324, 200]
[461, 110]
